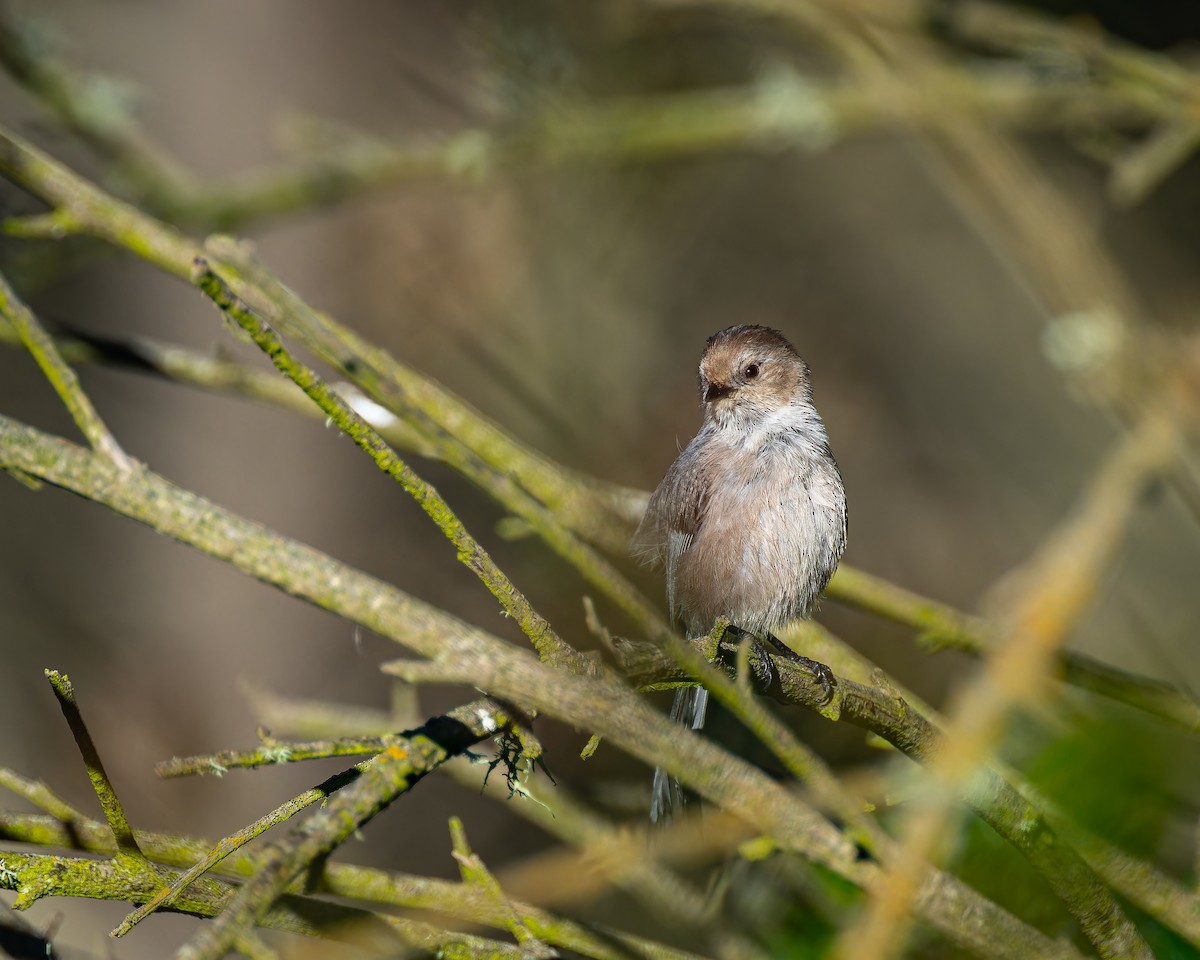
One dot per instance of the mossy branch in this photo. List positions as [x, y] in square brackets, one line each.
[378, 784]
[595, 702]
[470, 552]
[61, 376]
[110, 802]
[601, 513]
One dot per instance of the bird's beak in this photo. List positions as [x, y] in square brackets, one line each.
[716, 391]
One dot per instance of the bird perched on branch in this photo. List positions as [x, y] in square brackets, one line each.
[749, 522]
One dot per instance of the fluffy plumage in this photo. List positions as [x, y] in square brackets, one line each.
[749, 522]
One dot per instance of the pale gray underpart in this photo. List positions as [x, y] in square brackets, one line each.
[749, 522]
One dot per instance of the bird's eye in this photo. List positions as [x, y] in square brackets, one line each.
[750, 371]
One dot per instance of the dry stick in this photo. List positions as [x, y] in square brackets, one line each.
[60, 375]
[114, 813]
[595, 703]
[382, 779]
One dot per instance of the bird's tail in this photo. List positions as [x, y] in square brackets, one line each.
[667, 795]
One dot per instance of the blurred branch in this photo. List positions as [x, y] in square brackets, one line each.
[885, 712]
[62, 378]
[941, 626]
[1033, 612]
[1168, 86]
[781, 110]
[91, 106]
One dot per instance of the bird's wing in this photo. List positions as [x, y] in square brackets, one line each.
[673, 519]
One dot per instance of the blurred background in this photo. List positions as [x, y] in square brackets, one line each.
[570, 301]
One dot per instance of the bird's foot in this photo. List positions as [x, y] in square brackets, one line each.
[823, 674]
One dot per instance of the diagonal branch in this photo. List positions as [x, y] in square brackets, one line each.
[549, 645]
[595, 702]
[380, 781]
[62, 378]
[114, 813]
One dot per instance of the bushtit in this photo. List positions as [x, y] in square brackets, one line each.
[750, 520]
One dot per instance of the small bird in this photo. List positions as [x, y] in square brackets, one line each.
[750, 520]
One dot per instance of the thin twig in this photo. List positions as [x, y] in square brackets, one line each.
[62, 378]
[114, 813]
[443, 897]
[612, 854]
[273, 754]
[475, 873]
[231, 844]
[381, 780]
[593, 702]
[471, 553]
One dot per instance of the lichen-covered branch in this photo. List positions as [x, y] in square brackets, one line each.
[601, 513]
[110, 802]
[379, 782]
[470, 551]
[62, 378]
[885, 713]
[596, 702]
